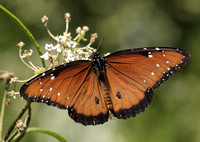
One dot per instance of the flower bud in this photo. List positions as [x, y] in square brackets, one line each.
[68, 17]
[20, 44]
[44, 20]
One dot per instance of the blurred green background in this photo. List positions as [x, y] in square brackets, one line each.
[173, 115]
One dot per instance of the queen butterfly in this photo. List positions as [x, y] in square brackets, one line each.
[121, 83]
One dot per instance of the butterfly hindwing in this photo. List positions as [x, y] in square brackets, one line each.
[90, 108]
[133, 73]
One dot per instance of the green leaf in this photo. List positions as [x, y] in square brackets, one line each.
[53, 134]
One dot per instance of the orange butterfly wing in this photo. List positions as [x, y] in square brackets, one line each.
[126, 89]
[90, 107]
[73, 86]
[133, 73]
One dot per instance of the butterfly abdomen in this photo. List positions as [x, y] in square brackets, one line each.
[99, 69]
[107, 99]
[103, 81]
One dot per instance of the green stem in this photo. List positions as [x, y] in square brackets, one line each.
[53, 134]
[12, 126]
[79, 39]
[28, 33]
[27, 122]
[12, 136]
[3, 107]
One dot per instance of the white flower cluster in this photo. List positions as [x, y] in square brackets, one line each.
[67, 48]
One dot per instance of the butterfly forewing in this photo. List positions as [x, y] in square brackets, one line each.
[57, 86]
[72, 86]
[133, 73]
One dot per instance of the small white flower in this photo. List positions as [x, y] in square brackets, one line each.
[49, 47]
[69, 52]
[45, 56]
[71, 44]
[27, 53]
[57, 47]
[60, 39]
[69, 55]
[67, 36]
[14, 80]
[79, 51]
[13, 94]
[87, 56]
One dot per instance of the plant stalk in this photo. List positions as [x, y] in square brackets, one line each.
[27, 122]
[12, 126]
[3, 107]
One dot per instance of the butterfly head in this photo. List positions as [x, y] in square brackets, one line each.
[95, 55]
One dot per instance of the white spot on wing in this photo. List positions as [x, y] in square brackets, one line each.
[67, 97]
[150, 56]
[43, 74]
[43, 96]
[145, 48]
[167, 62]
[54, 69]
[50, 89]
[163, 55]
[145, 81]
[157, 48]
[59, 94]
[53, 77]
[40, 82]
[152, 73]
[157, 65]
[168, 69]
[41, 90]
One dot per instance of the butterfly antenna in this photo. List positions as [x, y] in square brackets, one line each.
[100, 43]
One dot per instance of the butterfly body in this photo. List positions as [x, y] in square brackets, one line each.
[99, 68]
[121, 83]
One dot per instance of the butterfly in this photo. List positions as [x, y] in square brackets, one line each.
[121, 83]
